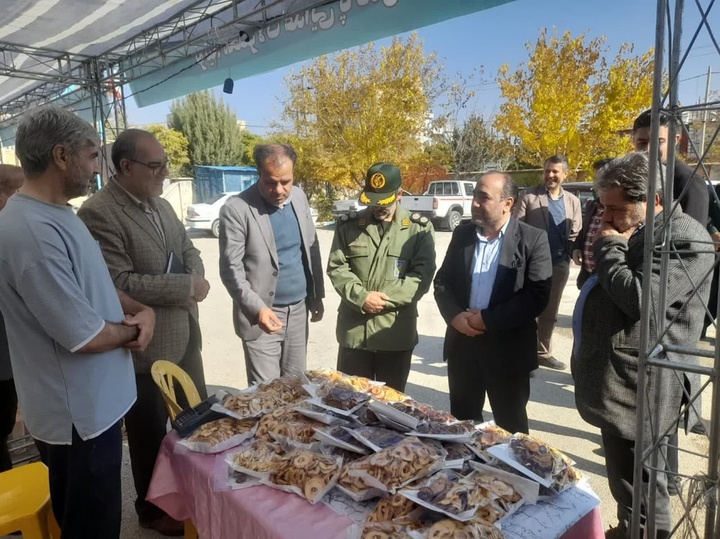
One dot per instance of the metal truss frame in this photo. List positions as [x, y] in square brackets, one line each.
[67, 79]
[653, 361]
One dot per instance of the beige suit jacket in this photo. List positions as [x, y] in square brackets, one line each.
[137, 258]
[532, 208]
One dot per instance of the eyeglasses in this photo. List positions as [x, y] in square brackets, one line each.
[155, 167]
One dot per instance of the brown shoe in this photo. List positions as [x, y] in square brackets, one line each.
[165, 525]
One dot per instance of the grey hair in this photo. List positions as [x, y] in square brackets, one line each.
[630, 173]
[262, 153]
[40, 130]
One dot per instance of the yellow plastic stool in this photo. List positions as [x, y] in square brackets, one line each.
[25, 503]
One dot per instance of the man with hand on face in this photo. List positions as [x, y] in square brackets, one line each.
[495, 280]
[69, 329]
[695, 201]
[608, 317]
[381, 263]
[270, 264]
[151, 258]
[559, 213]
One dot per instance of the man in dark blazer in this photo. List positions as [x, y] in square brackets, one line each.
[270, 264]
[138, 232]
[689, 188]
[608, 319]
[494, 282]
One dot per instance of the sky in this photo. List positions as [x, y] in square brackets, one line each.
[494, 37]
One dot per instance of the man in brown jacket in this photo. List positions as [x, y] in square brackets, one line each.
[558, 212]
[151, 258]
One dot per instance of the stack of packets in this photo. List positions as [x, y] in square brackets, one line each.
[412, 471]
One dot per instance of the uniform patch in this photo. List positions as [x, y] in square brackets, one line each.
[400, 267]
[424, 220]
[362, 222]
[406, 222]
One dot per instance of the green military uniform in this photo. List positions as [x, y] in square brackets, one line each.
[397, 258]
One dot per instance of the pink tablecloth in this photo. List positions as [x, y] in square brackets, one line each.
[182, 485]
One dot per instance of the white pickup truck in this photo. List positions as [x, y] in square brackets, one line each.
[446, 202]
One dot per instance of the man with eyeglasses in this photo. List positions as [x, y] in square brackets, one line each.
[150, 257]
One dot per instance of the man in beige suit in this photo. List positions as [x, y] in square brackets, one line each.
[151, 258]
[558, 212]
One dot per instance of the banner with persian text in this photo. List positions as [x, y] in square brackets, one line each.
[308, 34]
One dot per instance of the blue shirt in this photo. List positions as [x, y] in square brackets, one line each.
[56, 295]
[557, 229]
[485, 265]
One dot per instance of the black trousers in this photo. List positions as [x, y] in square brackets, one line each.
[620, 462]
[146, 422]
[8, 411]
[85, 484]
[471, 377]
[393, 368]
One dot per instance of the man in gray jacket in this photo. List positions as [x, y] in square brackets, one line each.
[270, 264]
[608, 319]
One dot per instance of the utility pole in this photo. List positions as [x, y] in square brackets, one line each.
[705, 113]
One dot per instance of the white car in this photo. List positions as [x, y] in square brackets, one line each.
[206, 215]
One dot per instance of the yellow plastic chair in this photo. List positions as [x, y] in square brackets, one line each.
[165, 374]
[25, 503]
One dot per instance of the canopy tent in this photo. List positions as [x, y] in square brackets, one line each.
[81, 54]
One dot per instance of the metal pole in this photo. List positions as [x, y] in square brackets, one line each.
[635, 524]
[705, 114]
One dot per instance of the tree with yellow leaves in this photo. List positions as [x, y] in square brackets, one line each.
[360, 106]
[568, 99]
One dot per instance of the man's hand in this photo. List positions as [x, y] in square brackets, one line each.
[268, 321]
[461, 323]
[200, 286]
[476, 321]
[317, 309]
[144, 320]
[716, 239]
[606, 229]
[577, 257]
[375, 302]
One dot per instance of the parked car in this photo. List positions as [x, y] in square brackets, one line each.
[205, 215]
[582, 190]
[447, 203]
[343, 207]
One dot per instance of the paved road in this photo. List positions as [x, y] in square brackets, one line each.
[552, 411]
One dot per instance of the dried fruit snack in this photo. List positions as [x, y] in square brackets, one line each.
[305, 473]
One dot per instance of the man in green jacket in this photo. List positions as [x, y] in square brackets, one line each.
[382, 262]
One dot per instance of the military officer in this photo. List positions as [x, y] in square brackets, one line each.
[382, 262]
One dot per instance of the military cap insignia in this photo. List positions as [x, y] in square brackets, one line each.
[377, 180]
[364, 199]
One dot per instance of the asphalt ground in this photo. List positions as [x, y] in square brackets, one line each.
[552, 412]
